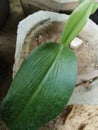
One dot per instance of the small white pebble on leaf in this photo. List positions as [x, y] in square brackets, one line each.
[76, 43]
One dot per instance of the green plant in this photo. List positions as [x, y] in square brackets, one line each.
[46, 79]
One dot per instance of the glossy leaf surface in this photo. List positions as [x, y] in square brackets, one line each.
[41, 88]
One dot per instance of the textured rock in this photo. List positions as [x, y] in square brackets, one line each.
[76, 43]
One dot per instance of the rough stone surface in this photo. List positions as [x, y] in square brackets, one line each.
[76, 43]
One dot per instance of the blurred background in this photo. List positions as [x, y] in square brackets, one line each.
[10, 14]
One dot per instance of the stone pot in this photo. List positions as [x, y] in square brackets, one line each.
[62, 6]
[46, 26]
[4, 11]
[31, 6]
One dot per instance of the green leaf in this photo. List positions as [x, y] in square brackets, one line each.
[41, 88]
[77, 20]
[80, 1]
